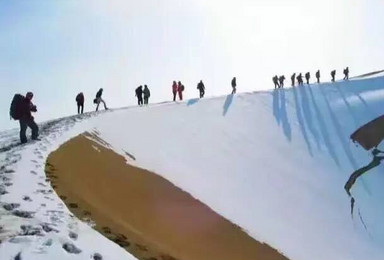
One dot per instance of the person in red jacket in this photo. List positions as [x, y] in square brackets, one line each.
[180, 89]
[174, 90]
[80, 102]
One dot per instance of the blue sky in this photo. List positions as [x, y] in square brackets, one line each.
[59, 48]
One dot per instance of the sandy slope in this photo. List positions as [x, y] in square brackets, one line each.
[142, 211]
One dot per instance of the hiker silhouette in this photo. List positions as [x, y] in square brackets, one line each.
[307, 77]
[233, 84]
[99, 100]
[281, 81]
[346, 73]
[139, 95]
[80, 103]
[333, 74]
[147, 94]
[201, 88]
[21, 109]
[293, 77]
[318, 76]
[275, 80]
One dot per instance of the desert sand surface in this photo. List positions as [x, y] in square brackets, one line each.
[143, 212]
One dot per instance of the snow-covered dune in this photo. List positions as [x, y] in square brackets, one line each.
[34, 222]
[275, 163]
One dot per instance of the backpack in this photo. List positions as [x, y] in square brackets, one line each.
[182, 87]
[80, 98]
[16, 109]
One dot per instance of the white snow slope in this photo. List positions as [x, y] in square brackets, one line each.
[34, 222]
[275, 163]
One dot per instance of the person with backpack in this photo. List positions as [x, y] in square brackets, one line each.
[201, 88]
[275, 80]
[346, 73]
[233, 83]
[174, 90]
[299, 79]
[21, 109]
[318, 76]
[307, 77]
[281, 81]
[98, 99]
[139, 95]
[180, 89]
[147, 94]
[80, 103]
[333, 74]
[293, 79]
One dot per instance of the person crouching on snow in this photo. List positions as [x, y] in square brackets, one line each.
[98, 99]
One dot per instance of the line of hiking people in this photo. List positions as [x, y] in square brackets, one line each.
[22, 106]
[279, 81]
[201, 87]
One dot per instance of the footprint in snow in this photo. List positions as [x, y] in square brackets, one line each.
[73, 235]
[71, 248]
[6, 179]
[3, 191]
[27, 198]
[97, 256]
[23, 214]
[11, 206]
[20, 240]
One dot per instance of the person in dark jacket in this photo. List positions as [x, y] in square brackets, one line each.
[318, 76]
[293, 79]
[233, 83]
[26, 120]
[299, 79]
[180, 89]
[98, 99]
[201, 88]
[307, 77]
[281, 81]
[174, 90]
[80, 102]
[147, 94]
[333, 74]
[275, 80]
[139, 95]
[346, 73]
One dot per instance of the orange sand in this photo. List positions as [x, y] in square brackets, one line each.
[143, 212]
